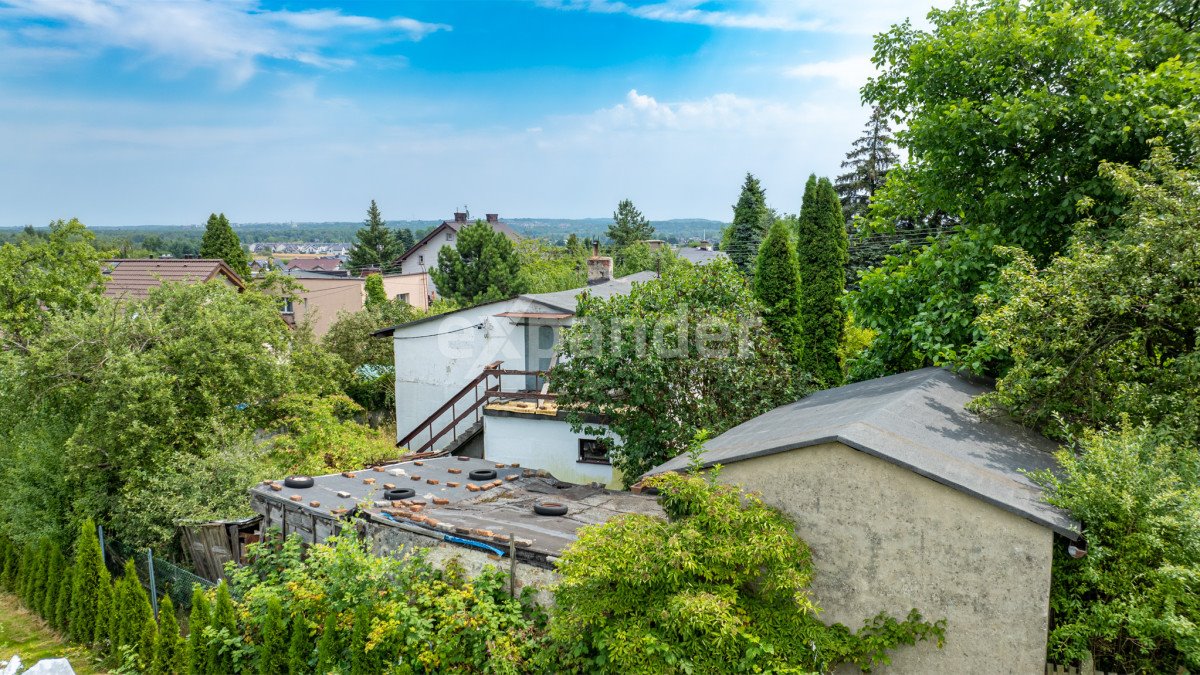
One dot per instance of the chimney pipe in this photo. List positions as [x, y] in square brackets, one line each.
[493, 217]
[460, 217]
[599, 268]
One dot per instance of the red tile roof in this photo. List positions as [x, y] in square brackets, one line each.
[133, 278]
[327, 264]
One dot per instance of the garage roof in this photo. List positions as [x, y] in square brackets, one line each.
[917, 420]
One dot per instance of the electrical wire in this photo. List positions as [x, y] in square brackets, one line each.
[456, 330]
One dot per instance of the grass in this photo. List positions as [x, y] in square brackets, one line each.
[24, 633]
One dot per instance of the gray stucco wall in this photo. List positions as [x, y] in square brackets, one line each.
[885, 539]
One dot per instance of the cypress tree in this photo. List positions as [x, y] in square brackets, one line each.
[273, 654]
[131, 607]
[63, 600]
[147, 643]
[113, 626]
[106, 611]
[54, 575]
[777, 287]
[482, 266]
[750, 222]
[376, 295]
[220, 241]
[31, 569]
[300, 648]
[327, 646]
[198, 620]
[822, 249]
[361, 661]
[8, 574]
[169, 653]
[90, 583]
[224, 625]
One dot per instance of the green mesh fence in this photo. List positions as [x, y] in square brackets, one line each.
[169, 578]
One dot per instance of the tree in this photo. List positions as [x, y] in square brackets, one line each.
[1130, 601]
[272, 653]
[1008, 109]
[777, 288]
[221, 632]
[361, 660]
[374, 244]
[628, 226]
[404, 240]
[300, 647]
[328, 650]
[721, 586]
[481, 267]
[548, 269]
[1106, 331]
[63, 600]
[822, 251]
[147, 644]
[55, 570]
[369, 373]
[220, 241]
[639, 257]
[375, 293]
[749, 226]
[198, 621]
[41, 277]
[869, 160]
[676, 355]
[170, 652]
[89, 580]
[131, 610]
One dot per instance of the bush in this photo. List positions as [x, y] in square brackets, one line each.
[722, 586]
[1133, 601]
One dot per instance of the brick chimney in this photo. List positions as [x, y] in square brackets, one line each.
[493, 217]
[460, 216]
[599, 268]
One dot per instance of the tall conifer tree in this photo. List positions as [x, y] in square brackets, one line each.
[220, 241]
[374, 244]
[750, 222]
[777, 287]
[90, 583]
[822, 250]
[169, 653]
[482, 266]
[629, 226]
[869, 160]
[198, 620]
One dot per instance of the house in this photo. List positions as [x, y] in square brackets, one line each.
[424, 254]
[415, 289]
[908, 499]
[132, 278]
[315, 264]
[463, 509]
[471, 382]
[701, 254]
[323, 296]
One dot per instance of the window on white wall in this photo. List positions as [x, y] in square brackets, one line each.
[593, 451]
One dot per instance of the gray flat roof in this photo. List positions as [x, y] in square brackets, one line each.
[569, 300]
[506, 510]
[917, 420]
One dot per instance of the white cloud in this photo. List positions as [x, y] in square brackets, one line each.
[865, 17]
[232, 37]
[849, 72]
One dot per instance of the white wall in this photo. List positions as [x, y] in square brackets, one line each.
[542, 442]
[436, 359]
[429, 252]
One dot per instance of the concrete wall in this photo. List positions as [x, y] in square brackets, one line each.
[418, 287]
[885, 539]
[322, 299]
[543, 442]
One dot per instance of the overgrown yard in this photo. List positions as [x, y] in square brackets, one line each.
[22, 632]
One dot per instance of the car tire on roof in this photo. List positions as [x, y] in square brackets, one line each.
[482, 474]
[549, 509]
[298, 482]
[399, 493]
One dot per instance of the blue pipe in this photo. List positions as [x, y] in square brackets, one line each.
[476, 544]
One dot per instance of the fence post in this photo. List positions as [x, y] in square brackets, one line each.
[100, 534]
[153, 586]
[512, 564]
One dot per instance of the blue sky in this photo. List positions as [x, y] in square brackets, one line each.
[130, 112]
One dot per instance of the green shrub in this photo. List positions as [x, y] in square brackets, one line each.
[91, 588]
[720, 587]
[197, 623]
[272, 652]
[169, 654]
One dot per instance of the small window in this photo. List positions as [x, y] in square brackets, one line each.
[288, 308]
[545, 337]
[593, 451]
[420, 260]
[403, 297]
[449, 236]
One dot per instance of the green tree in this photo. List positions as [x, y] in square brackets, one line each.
[41, 277]
[548, 269]
[55, 571]
[777, 288]
[362, 661]
[198, 621]
[220, 241]
[676, 355]
[722, 586]
[1131, 600]
[749, 226]
[629, 226]
[1107, 331]
[273, 653]
[870, 158]
[170, 655]
[639, 257]
[374, 244]
[404, 240]
[1008, 109]
[822, 251]
[147, 644]
[89, 582]
[12, 567]
[328, 649]
[131, 609]
[375, 294]
[63, 600]
[369, 373]
[481, 267]
[221, 633]
[300, 647]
